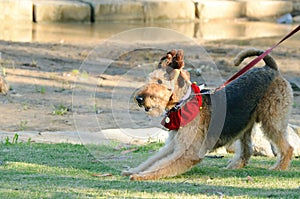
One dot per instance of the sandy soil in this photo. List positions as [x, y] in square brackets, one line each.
[42, 78]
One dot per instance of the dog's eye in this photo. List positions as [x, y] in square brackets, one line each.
[159, 81]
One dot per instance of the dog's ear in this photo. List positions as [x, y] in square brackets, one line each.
[177, 62]
[174, 73]
[173, 77]
[173, 59]
[167, 60]
[172, 52]
[183, 77]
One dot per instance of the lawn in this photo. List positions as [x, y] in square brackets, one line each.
[35, 170]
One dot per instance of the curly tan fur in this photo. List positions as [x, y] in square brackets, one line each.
[271, 102]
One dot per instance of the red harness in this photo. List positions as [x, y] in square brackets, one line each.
[179, 117]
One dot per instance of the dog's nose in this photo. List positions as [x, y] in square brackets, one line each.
[140, 100]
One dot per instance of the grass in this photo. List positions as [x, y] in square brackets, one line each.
[23, 125]
[40, 89]
[34, 170]
[60, 110]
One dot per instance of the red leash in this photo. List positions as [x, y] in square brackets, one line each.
[257, 59]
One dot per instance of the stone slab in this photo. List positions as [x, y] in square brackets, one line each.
[260, 9]
[296, 8]
[117, 10]
[61, 11]
[16, 10]
[169, 10]
[142, 10]
[220, 9]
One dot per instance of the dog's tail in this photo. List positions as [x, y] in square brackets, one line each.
[255, 52]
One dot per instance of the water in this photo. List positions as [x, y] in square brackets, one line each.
[78, 33]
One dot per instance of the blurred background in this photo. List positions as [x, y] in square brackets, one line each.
[43, 44]
[93, 20]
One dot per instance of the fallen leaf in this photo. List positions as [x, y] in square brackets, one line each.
[101, 175]
[129, 151]
[249, 178]
[121, 147]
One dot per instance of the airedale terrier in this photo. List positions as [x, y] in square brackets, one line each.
[261, 95]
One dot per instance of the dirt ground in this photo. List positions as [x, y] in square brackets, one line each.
[42, 75]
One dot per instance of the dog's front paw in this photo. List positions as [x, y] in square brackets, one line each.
[144, 176]
[127, 173]
[136, 177]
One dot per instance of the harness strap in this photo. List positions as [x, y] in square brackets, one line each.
[257, 59]
[180, 116]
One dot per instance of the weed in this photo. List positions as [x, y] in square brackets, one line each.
[84, 74]
[14, 140]
[40, 89]
[3, 70]
[33, 63]
[66, 85]
[23, 125]
[7, 141]
[5, 63]
[29, 141]
[243, 42]
[60, 110]
[75, 72]
[25, 106]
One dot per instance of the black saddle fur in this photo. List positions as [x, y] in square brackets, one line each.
[241, 98]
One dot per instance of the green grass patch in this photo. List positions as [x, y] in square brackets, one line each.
[34, 170]
[40, 89]
[60, 110]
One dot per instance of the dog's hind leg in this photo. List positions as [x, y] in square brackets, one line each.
[273, 113]
[284, 151]
[243, 150]
[278, 138]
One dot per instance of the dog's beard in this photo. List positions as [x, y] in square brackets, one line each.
[155, 111]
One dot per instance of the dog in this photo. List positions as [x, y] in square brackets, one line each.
[200, 121]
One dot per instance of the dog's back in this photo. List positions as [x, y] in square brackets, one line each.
[242, 96]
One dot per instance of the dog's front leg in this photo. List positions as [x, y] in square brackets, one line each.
[184, 156]
[162, 153]
[176, 163]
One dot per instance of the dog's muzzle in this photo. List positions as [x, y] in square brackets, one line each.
[141, 102]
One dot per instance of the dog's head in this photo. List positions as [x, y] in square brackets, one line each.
[165, 86]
